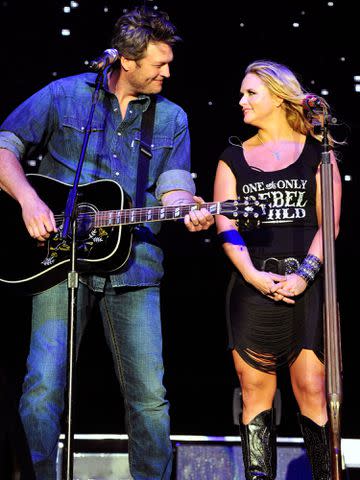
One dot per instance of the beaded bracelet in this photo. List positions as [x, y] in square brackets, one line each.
[309, 268]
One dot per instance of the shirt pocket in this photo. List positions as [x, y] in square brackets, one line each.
[157, 143]
[80, 125]
[161, 148]
[74, 128]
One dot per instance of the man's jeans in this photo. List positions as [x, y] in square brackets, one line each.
[131, 319]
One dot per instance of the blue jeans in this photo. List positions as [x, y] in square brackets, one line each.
[131, 320]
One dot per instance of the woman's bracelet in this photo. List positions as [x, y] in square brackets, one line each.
[309, 268]
[231, 236]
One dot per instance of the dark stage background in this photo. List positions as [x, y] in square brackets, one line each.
[219, 41]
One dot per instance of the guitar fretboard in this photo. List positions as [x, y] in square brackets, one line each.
[109, 218]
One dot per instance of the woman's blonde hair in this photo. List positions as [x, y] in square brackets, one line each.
[282, 82]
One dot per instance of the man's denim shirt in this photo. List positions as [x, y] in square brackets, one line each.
[52, 122]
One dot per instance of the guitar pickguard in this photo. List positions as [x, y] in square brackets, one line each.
[88, 238]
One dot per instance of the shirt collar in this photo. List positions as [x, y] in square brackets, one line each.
[143, 99]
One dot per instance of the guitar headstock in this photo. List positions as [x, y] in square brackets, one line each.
[248, 213]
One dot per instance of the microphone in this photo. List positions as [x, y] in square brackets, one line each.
[108, 57]
[313, 104]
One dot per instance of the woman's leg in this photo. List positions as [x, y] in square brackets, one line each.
[308, 382]
[257, 428]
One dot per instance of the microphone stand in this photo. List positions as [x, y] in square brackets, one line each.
[73, 282]
[332, 332]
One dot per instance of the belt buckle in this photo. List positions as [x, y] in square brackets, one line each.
[291, 265]
[274, 261]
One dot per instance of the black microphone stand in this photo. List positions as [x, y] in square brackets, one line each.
[70, 223]
[332, 332]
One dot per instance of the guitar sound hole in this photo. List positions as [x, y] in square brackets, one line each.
[85, 222]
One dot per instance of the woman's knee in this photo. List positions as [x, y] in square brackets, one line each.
[310, 384]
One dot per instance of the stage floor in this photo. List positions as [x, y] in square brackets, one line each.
[196, 457]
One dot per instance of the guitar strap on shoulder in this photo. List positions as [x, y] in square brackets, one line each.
[145, 154]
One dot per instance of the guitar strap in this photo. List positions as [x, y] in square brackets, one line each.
[145, 154]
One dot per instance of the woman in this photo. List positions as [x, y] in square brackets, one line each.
[276, 291]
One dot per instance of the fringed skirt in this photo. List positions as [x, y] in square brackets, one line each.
[269, 335]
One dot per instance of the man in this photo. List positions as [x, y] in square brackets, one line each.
[55, 119]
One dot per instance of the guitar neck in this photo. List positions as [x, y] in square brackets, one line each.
[110, 218]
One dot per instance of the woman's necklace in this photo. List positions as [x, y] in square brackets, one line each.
[276, 153]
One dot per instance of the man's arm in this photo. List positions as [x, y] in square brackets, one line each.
[38, 218]
[196, 220]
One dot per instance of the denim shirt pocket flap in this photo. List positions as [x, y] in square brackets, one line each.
[158, 142]
[162, 142]
[80, 126]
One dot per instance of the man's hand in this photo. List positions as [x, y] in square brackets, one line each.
[198, 220]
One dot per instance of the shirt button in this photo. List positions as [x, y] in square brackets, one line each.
[117, 173]
[115, 156]
[119, 133]
[82, 129]
[130, 111]
[115, 109]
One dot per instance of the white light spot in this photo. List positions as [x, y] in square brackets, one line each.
[194, 175]
[67, 9]
[32, 163]
[210, 103]
[54, 74]
[302, 12]
[242, 24]
[312, 82]
[296, 25]
[106, 9]
[330, 4]
[347, 178]
[65, 32]
[357, 78]
[342, 59]
[357, 87]
[74, 4]
[324, 91]
[86, 62]
[155, 7]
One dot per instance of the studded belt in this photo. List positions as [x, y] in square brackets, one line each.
[282, 266]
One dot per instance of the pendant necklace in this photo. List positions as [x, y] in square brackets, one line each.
[276, 153]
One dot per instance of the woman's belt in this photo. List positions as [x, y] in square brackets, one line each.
[282, 266]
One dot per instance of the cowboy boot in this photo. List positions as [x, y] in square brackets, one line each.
[258, 442]
[317, 446]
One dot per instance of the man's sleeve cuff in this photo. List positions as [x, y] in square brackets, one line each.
[13, 143]
[174, 180]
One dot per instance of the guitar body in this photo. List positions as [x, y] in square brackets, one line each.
[32, 267]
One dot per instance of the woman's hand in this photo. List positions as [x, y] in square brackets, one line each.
[292, 285]
[267, 283]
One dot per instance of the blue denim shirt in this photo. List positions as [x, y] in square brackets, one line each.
[52, 122]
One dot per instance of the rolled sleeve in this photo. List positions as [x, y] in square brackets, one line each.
[12, 142]
[174, 180]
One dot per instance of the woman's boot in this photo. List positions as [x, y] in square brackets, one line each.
[258, 442]
[316, 441]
